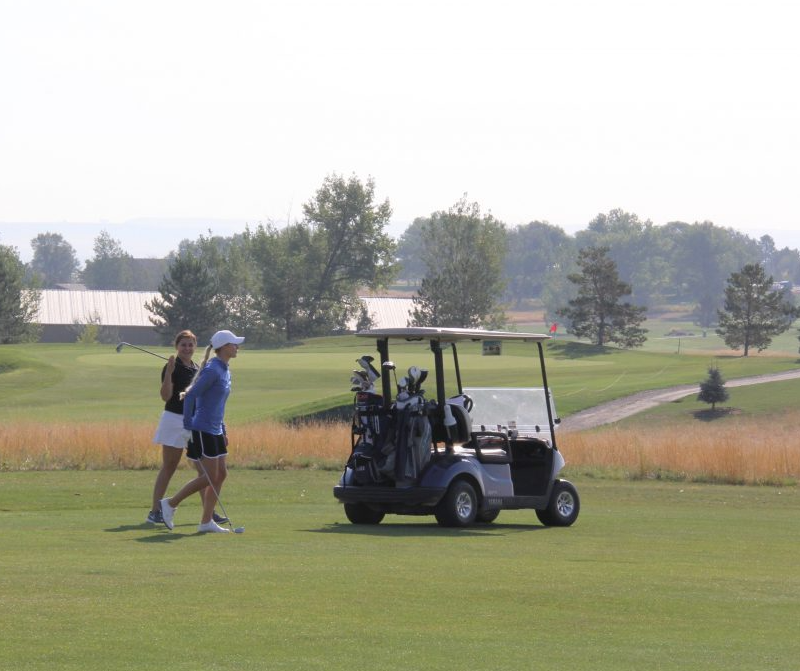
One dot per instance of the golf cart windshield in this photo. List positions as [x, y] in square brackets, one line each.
[523, 410]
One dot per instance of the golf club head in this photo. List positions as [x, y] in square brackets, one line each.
[365, 363]
[388, 365]
[119, 347]
[414, 374]
[423, 375]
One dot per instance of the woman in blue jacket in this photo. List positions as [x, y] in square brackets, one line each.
[203, 420]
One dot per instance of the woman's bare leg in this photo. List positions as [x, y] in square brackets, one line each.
[217, 472]
[170, 458]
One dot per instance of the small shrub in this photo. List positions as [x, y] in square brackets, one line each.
[712, 389]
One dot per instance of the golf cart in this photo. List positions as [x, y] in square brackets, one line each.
[463, 455]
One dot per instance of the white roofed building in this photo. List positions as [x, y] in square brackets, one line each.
[386, 312]
[62, 313]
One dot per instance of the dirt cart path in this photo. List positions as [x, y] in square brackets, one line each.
[613, 411]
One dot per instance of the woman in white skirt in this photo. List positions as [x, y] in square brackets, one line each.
[176, 375]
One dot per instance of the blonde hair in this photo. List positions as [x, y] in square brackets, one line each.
[206, 357]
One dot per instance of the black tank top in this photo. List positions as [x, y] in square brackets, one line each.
[181, 377]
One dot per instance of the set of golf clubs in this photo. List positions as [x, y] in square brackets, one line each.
[364, 379]
[411, 383]
[237, 530]
[408, 384]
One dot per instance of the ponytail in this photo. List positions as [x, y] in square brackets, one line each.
[182, 395]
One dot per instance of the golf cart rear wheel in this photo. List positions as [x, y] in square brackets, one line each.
[459, 507]
[358, 513]
[564, 506]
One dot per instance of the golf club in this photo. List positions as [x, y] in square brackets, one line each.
[363, 376]
[358, 384]
[366, 363]
[389, 365]
[414, 374]
[141, 349]
[237, 530]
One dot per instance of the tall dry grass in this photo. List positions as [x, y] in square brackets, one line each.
[89, 446]
[760, 451]
[754, 451]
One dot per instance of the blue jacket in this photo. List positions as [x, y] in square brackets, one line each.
[204, 404]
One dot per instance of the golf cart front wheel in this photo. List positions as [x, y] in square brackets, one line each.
[459, 507]
[564, 506]
[358, 513]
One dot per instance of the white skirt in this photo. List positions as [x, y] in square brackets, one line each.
[170, 430]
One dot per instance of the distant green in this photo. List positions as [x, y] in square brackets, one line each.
[73, 382]
[653, 575]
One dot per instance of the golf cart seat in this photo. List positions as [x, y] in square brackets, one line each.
[490, 447]
[459, 433]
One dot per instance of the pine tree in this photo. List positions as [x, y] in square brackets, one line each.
[18, 304]
[597, 312]
[189, 300]
[712, 389]
[754, 312]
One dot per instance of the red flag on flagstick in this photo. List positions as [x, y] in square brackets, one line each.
[554, 328]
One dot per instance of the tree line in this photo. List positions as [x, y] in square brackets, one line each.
[280, 284]
[677, 263]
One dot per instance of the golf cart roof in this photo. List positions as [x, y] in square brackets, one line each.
[450, 334]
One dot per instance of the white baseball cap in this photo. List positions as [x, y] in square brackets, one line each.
[222, 338]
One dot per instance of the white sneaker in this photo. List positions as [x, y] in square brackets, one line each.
[167, 513]
[212, 527]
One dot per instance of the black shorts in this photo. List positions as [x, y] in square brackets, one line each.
[206, 445]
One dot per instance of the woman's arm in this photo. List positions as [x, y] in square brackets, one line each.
[166, 379]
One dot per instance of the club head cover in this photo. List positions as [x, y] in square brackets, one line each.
[370, 370]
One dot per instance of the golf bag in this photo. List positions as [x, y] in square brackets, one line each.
[412, 438]
[370, 429]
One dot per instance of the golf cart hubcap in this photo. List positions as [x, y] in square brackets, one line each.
[464, 505]
[565, 504]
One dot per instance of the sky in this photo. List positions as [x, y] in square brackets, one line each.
[162, 120]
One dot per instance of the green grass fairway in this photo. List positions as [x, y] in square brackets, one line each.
[662, 330]
[652, 576]
[661, 338]
[71, 382]
[769, 401]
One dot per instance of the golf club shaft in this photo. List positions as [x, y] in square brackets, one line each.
[141, 349]
[214, 489]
